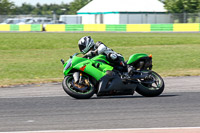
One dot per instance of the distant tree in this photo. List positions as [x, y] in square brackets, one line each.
[181, 6]
[45, 9]
[50, 9]
[6, 7]
[25, 9]
[64, 8]
[76, 5]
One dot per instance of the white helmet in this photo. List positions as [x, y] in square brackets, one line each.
[85, 44]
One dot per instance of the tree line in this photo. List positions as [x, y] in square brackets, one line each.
[182, 6]
[9, 8]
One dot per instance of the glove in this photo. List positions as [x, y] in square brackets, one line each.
[91, 53]
[113, 56]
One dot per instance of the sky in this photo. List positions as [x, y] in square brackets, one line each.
[34, 2]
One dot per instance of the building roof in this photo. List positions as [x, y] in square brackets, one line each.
[116, 6]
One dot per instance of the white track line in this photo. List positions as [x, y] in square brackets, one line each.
[99, 130]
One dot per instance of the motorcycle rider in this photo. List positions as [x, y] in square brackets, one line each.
[90, 49]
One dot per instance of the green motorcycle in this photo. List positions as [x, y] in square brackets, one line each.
[85, 77]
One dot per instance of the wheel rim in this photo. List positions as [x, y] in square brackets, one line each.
[153, 82]
[78, 89]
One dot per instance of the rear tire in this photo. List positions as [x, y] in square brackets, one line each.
[75, 92]
[151, 90]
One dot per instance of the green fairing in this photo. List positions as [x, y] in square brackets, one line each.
[135, 57]
[89, 66]
[69, 69]
[100, 57]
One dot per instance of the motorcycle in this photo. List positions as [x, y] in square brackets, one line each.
[85, 77]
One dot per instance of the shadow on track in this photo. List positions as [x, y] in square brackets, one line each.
[118, 97]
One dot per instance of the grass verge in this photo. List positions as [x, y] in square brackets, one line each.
[35, 57]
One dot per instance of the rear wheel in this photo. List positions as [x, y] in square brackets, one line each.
[85, 90]
[151, 86]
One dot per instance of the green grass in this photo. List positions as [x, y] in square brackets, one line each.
[35, 57]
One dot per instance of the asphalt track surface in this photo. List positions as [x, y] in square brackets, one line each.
[46, 107]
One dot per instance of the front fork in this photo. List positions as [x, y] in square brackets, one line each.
[78, 78]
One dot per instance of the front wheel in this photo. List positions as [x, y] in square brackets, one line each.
[78, 91]
[151, 86]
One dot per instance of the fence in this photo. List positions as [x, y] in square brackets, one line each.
[178, 27]
[127, 18]
[159, 18]
[186, 17]
[4, 17]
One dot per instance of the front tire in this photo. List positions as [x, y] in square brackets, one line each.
[151, 86]
[83, 92]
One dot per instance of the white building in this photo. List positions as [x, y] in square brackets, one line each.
[123, 12]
